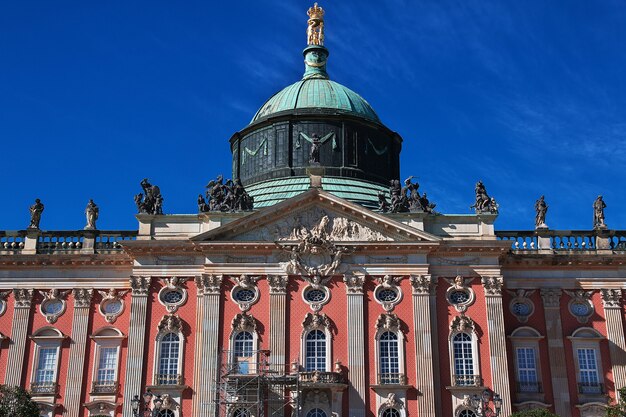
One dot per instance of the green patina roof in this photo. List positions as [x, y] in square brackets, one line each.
[268, 193]
[317, 93]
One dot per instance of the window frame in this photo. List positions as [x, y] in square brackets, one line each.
[402, 378]
[254, 356]
[46, 338]
[527, 338]
[157, 357]
[475, 358]
[588, 338]
[103, 338]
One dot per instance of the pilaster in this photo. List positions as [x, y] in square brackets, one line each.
[140, 287]
[356, 359]
[278, 324]
[197, 356]
[19, 334]
[426, 383]
[497, 341]
[556, 351]
[211, 287]
[611, 300]
[80, 323]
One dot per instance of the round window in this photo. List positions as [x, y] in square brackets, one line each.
[244, 295]
[459, 297]
[315, 296]
[387, 295]
[52, 307]
[112, 307]
[521, 309]
[172, 297]
[580, 309]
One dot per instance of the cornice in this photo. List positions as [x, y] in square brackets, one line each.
[37, 261]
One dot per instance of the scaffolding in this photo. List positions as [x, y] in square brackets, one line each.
[252, 386]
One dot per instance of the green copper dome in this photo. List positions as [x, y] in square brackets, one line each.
[316, 91]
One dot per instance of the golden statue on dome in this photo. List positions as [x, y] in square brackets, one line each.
[315, 30]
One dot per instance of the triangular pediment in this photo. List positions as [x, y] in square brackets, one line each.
[315, 212]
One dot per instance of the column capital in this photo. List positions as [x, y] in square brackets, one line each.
[422, 284]
[551, 297]
[23, 297]
[493, 285]
[140, 285]
[82, 297]
[354, 283]
[278, 283]
[209, 283]
[611, 298]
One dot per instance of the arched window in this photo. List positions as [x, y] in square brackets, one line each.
[587, 360]
[390, 412]
[463, 359]
[389, 358]
[316, 412]
[466, 413]
[244, 344]
[46, 360]
[168, 360]
[315, 351]
[107, 350]
[166, 413]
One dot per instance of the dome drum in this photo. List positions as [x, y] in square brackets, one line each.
[348, 148]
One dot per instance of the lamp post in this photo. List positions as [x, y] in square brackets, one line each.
[148, 411]
[481, 404]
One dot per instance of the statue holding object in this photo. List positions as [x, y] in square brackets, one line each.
[228, 197]
[542, 209]
[92, 211]
[151, 200]
[598, 213]
[484, 203]
[407, 198]
[35, 214]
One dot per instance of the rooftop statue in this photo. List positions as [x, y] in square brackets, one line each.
[315, 29]
[542, 209]
[35, 214]
[484, 203]
[91, 212]
[598, 213]
[151, 200]
[408, 198]
[315, 150]
[231, 196]
[383, 205]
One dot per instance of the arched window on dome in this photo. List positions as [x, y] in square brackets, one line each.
[169, 352]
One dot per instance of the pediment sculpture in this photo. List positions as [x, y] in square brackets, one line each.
[315, 255]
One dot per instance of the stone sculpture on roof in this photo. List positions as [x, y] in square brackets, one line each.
[151, 200]
[228, 197]
[484, 203]
[35, 214]
[542, 209]
[598, 213]
[92, 211]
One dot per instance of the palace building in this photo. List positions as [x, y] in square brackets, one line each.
[313, 284]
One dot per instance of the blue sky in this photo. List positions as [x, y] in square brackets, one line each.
[528, 96]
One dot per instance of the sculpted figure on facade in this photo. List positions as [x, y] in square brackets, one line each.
[541, 209]
[315, 28]
[484, 203]
[316, 321]
[228, 197]
[598, 213]
[383, 205]
[243, 321]
[151, 200]
[462, 323]
[92, 211]
[388, 321]
[35, 214]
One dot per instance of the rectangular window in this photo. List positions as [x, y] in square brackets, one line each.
[588, 380]
[527, 370]
[46, 365]
[107, 366]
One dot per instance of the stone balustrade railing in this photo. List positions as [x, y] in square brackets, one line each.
[31, 242]
[523, 241]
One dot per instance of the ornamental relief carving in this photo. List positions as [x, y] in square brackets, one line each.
[389, 322]
[82, 297]
[316, 220]
[209, 284]
[319, 321]
[354, 283]
[23, 297]
[170, 324]
[521, 305]
[245, 292]
[422, 284]
[580, 305]
[172, 295]
[140, 285]
[611, 298]
[53, 305]
[460, 295]
[243, 321]
[492, 285]
[462, 323]
[387, 293]
[112, 304]
[278, 283]
[3, 302]
[551, 297]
